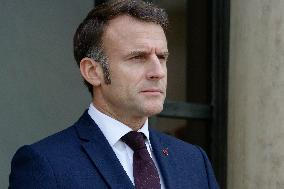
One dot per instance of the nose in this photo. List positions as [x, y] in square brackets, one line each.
[157, 68]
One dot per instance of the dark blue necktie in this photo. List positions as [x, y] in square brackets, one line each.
[144, 171]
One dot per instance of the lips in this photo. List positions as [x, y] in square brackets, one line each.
[152, 91]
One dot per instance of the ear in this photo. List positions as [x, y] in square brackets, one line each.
[91, 71]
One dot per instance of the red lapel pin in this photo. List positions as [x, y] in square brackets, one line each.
[166, 151]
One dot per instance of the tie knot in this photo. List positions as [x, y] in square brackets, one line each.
[134, 139]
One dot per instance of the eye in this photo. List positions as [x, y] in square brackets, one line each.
[137, 57]
[162, 58]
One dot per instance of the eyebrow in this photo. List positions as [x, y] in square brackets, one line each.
[144, 52]
[139, 52]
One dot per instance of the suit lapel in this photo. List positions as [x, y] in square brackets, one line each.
[101, 154]
[166, 160]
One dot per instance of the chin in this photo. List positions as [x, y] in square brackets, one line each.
[153, 110]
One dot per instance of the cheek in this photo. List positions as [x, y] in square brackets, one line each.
[127, 77]
[131, 78]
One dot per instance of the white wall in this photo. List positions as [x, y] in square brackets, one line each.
[40, 87]
[256, 95]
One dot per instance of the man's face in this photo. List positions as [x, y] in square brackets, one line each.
[137, 54]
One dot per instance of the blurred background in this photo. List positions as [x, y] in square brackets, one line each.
[225, 81]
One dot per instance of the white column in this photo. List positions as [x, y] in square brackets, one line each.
[256, 95]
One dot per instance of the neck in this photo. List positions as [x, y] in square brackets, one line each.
[135, 123]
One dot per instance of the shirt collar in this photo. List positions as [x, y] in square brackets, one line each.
[112, 129]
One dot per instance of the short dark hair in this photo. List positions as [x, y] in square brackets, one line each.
[88, 37]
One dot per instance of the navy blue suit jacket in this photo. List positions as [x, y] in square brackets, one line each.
[80, 157]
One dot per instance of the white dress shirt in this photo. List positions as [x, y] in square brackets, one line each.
[113, 130]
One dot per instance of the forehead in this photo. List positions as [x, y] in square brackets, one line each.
[129, 33]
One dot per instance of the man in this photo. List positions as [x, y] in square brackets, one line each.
[121, 50]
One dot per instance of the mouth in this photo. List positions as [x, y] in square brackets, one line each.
[152, 92]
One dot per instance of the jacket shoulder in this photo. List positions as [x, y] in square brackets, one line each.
[190, 158]
[56, 140]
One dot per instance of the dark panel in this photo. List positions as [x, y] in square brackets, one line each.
[198, 70]
[198, 51]
[193, 135]
[220, 17]
[207, 76]
[185, 110]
